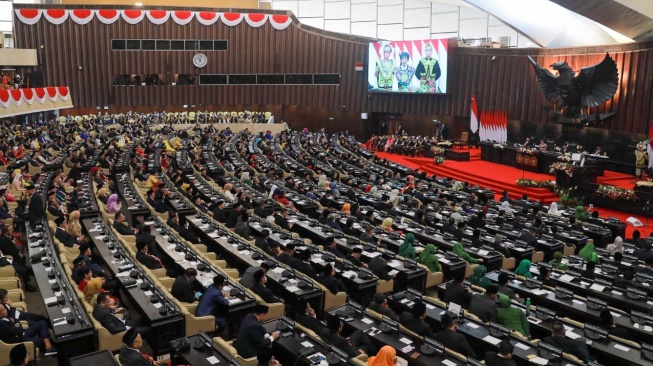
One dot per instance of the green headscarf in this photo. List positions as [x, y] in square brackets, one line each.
[524, 269]
[428, 258]
[406, 249]
[504, 301]
[478, 277]
[588, 254]
[462, 254]
[580, 213]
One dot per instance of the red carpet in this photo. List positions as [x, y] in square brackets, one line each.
[501, 177]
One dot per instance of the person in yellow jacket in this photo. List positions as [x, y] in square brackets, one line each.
[168, 147]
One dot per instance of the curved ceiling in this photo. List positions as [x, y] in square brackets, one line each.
[570, 23]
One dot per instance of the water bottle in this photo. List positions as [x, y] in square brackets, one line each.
[528, 306]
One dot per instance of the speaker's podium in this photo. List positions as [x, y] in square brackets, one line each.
[577, 175]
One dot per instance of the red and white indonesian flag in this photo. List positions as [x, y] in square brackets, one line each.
[473, 117]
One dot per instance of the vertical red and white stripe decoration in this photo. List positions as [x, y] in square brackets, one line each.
[473, 118]
[494, 126]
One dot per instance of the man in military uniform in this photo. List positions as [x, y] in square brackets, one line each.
[385, 68]
[428, 69]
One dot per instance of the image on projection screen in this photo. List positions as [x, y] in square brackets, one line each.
[408, 66]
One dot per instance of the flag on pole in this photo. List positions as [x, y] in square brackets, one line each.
[473, 118]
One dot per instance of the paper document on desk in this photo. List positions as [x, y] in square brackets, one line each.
[597, 287]
[371, 255]
[492, 340]
[539, 361]
[292, 288]
[367, 320]
[349, 274]
[212, 360]
[572, 335]
[539, 292]
[483, 252]
[234, 300]
[278, 269]
[393, 272]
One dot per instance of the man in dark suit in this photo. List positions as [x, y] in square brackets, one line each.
[173, 221]
[102, 313]
[576, 347]
[355, 257]
[121, 227]
[503, 281]
[234, 215]
[328, 279]
[304, 264]
[503, 358]
[357, 344]
[130, 353]
[148, 260]
[529, 237]
[330, 246]
[484, 306]
[368, 236]
[247, 279]
[452, 340]
[380, 305]
[262, 241]
[218, 212]
[457, 293]
[414, 320]
[287, 257]
[305, 316]
[12, 332]
[252, 340]
[36, 209]
[379, 267]
[186, 286]
[501, 218]
[242, 228]
[259, 288]
[214, 302]
[280, 219]
[261, 211]
[62, 235]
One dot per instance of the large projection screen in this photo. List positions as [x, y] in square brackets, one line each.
[408, 66]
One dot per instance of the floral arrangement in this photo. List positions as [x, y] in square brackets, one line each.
[536, 183]
[568, 197]
[437, 151]
[565, 167]
[564, 157]
[616, 193]
[527, 151]
[439, 159]
[499, 146]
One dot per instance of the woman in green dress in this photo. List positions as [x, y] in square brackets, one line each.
[478, 278]
[407, 250]
[524, 269]
[458, 249]
[588, 254]
[428, 258]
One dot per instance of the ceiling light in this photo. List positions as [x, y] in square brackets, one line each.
[139, 4]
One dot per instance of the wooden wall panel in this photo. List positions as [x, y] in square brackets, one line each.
[505, 83]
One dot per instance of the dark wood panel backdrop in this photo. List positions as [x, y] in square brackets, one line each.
[506, 83]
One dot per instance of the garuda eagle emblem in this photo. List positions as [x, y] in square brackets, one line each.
[575, 94]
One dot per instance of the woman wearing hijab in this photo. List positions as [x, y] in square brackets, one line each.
[511, 317]
[617, 246]
[244, 177]
[581, 214]
[462, 254]
[17, 183]
[113, 204]
[374, 192]
[556, 262]
[387, 356]
[478, 278]
[346, 208]
[407, 250]
[428, 258]
[505, 206]
[321, 181]
[227, 192]
[386, 224]
[524, 269]
[588, 254]
[74, 227]
[394, 197]
[553, 209]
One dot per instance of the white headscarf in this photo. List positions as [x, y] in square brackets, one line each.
[553, 209]
[617, 246]
[505, 205]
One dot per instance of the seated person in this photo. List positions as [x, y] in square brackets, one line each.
[380, 305]
[502, 282]
[18, 315]
[355, 257]
[379, 267]
[242, 228]
[589, 270]
[576, 347]
[262, 241]
[11, 331]
[247, 279]
[504, 357]
[261, 290]
[121, 226]
[130, 352]
[214, 302]
[328, 279]
[62, 235]
[105, 313]
[358, 343]
[331, 247]
[608, 323]
[457, 293]
[148, 260]
[462, 254]
[556, 262]
[305, 316]
[452, 340]
[252, 339]
[484, 305]
[187, 288]
[387, 356]
[85, 255]
[511, 317]
[414, 320]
